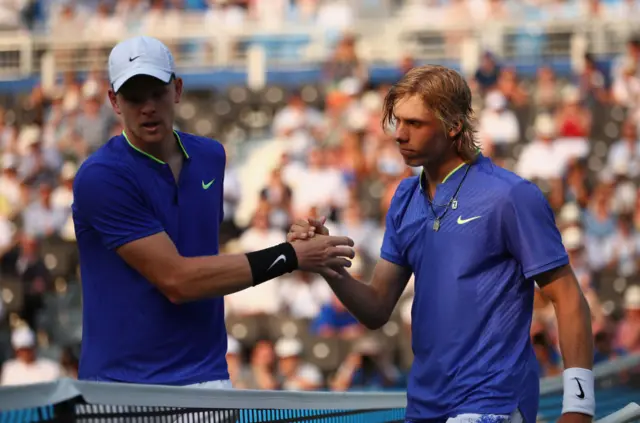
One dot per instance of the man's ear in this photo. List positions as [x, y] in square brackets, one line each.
[114, 102]
[455, 130]
[179, 86]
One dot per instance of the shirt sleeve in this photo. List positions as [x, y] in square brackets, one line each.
[109, 200]
[391, 250]
[530, 231]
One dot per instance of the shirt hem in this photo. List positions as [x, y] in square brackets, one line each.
[561, 261]
[183, 382]
[393, 259]
[135, 237]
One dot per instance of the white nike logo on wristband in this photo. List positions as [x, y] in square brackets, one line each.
[280, 257]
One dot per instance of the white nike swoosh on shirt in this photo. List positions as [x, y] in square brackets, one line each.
[462, 221]
[281, 257]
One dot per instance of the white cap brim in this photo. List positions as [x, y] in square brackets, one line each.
[161, 74]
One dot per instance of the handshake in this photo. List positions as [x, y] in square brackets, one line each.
[318, 252]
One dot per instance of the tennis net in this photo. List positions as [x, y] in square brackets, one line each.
[68, 401]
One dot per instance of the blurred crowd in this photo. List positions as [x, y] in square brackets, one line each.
[109, 18]
[576, 136]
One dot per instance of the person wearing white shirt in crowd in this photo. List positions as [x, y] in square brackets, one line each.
[264, 298]
[626, 151]
[303, 294]
[498, 125]
[9, 183]
[298, 124]
[329, 188]
[622, 247]
[540, 158]
[295, 373]
[363, 232]
[26, 368]
[626, 86]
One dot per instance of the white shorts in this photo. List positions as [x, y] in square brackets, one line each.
[515, 417]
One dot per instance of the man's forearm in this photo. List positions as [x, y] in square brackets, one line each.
[360, 299]
[209, 276]
[576, 338]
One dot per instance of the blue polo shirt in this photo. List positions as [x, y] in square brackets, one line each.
[474, 286]
[131, 331]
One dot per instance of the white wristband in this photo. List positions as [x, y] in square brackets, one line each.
[579, 396]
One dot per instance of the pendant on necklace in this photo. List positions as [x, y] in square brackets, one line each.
[436, 225]
[454, 204]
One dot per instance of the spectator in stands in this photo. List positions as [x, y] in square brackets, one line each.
[260, 374]
[25, 262]
[361, 230]
[626, 151]
[546, 354]
[299, 124]
[344, 64]
[629, 60]
[488, 72]
[592, 83]
[10, 189]
[576, 183]
[572, 119]
[599, 224]
[546, 95]
[27, 368]
[626, 87]
[335, 320]
[42, 218]
[603, 345]
[621, 248]
[510, 86]
[330, 190]
[367, 367]
[94, 122]
[499, 127]
[303, 295]
[293, 372]
[39, 163]
[264, 298]
[234, 363]
[573, 240]
[628, 336]
[540, 159]
[278, 194]
[69, 363]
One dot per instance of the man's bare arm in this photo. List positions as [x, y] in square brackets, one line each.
[373, 303]
[184, 279]
[573, 314]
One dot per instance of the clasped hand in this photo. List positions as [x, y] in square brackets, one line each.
[323, 254]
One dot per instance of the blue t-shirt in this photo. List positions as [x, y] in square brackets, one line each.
[332, 318]
[474, 286]
[131, 331]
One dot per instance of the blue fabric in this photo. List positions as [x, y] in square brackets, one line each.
[474, 285]
[333, 318]
[131, 331]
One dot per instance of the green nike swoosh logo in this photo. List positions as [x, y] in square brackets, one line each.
[206, 186]
[462, 221]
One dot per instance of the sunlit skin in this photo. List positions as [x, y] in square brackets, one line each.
[423, 141]
[146, 105]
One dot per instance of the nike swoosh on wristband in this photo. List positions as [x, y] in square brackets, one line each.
[581, 394]
[462, 221]
[281, 257]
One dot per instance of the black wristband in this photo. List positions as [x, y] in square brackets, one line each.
[272, 262]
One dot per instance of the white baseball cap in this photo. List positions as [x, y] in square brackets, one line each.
[140, 56]
[23, 337]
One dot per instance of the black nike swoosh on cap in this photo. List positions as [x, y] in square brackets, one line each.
[131, 59]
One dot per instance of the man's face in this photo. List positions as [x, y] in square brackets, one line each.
[419, 133]
[146, 105]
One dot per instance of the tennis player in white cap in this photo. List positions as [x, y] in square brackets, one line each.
[147, 210]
